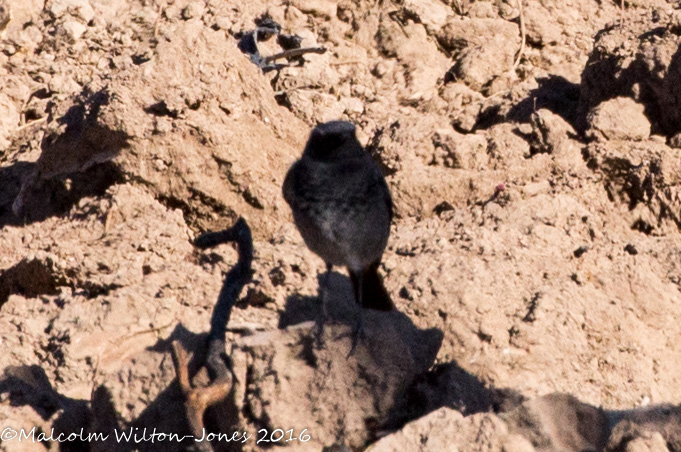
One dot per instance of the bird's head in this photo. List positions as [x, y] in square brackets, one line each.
[332, 140]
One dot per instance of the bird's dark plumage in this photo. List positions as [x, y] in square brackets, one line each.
[342, 207]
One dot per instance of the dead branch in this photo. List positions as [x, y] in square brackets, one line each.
[218, 364]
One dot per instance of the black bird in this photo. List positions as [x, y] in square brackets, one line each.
[342, 207]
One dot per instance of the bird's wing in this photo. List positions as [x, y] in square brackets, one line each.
[378, 181]
[288, 189]
[388, 201]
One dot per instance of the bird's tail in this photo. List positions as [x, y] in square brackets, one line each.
[374, 293]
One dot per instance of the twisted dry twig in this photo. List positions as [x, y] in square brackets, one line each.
[218, 364]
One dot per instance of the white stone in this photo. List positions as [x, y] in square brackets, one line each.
[74, 29]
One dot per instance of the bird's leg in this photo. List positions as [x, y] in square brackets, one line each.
[321, 318]
[358, 329]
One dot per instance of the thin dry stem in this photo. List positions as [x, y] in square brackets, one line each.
[522, 34]
[294, 53]
[32, 123]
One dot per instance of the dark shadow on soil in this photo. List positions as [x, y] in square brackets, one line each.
[42, 199]
[554, 93]
[658, 91]
[442, 385]
[27, 278]
[11, 178]
[74, 163]
[29, 385]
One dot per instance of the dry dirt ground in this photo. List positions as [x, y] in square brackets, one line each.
[535, 258]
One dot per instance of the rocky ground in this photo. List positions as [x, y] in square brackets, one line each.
[535, 259]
